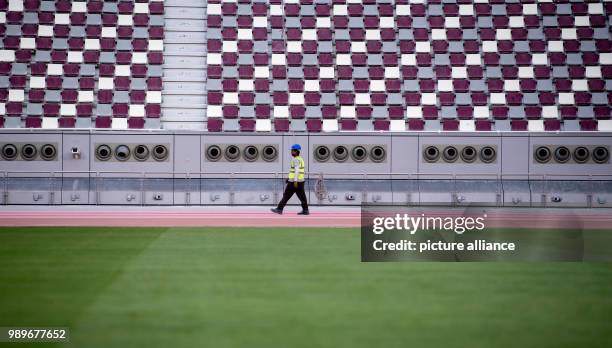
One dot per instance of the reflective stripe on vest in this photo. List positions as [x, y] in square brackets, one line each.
[300, 169]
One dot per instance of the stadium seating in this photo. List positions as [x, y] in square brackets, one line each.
[66, 64]
[409, 65]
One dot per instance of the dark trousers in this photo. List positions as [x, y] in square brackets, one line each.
[289, 191]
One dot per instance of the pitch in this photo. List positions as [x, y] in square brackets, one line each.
[250, 287]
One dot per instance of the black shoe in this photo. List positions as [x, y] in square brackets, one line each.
[277, 211]
[304, 212]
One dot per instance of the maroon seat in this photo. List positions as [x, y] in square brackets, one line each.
[33, 122]
[29, 30]
[602, 112]
[262, 111]
[396, 112]
[450, 125]
[214, 124]
[518, 125]
[109, 19]
[122, 83]
[123, 57]
[66, 122]
[23, 56]
[483, 125]
[105, 96]
[381, 125]
[107, 44]
[139, 70]
[14, 108]
[18, 81]
[51, 109]
[137, 97]
[416, 124]
[140, 45]
[552, 125]
[153, 110]
[430, 112]
[348, 124]
[124, 32]
[136, 122]
[125, 7]
[84, 109]
[297, 112]
[154, 83]
[155, 58]
[11, 42]
[120, 110]
[61, 31]
[91, 57]
[156, 7]
[500, 112]
[103, 122]
[106, 70]
[72, 69]
[78, 19]
[76, 44]
[363, 112]
[533, 112]
[87, 82]
[54, 82]
[59, 56]
[94, 6]
[141, 20]
[247, 125]
[31, 5]
[69, 95]
[281, 125]
[588, 125]
[36, 95]
[156, 32]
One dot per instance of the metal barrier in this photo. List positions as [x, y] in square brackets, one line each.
[319, 183]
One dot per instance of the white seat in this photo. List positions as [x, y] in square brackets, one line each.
[330, 125]
[37, 82]
[50, 123]
[68, 109]
[137, 110]
[263, 125]
[105, 83]
[86, 96]
[535, 125]
[281, 111]
[397, 126]
[467, 126]
[604, 125]
[119, 123]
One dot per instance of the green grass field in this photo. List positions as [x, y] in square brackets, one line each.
[220, 287]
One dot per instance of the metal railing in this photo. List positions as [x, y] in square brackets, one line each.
[327, 179]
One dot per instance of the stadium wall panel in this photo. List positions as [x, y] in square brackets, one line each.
[185, 175]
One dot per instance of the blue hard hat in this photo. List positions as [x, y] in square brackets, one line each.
[296, 147]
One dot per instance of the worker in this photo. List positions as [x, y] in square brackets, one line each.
[295, 182]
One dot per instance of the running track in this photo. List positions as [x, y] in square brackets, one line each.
[262, 217]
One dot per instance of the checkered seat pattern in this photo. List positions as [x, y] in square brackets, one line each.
[309, 65]
[66, 64]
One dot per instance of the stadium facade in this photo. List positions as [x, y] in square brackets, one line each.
[403, 102]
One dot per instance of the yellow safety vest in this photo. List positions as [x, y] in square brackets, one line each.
[300, 169]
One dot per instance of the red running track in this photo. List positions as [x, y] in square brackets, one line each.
[250, 217]
[177, 219]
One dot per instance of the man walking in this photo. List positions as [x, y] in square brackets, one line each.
[295, 182]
